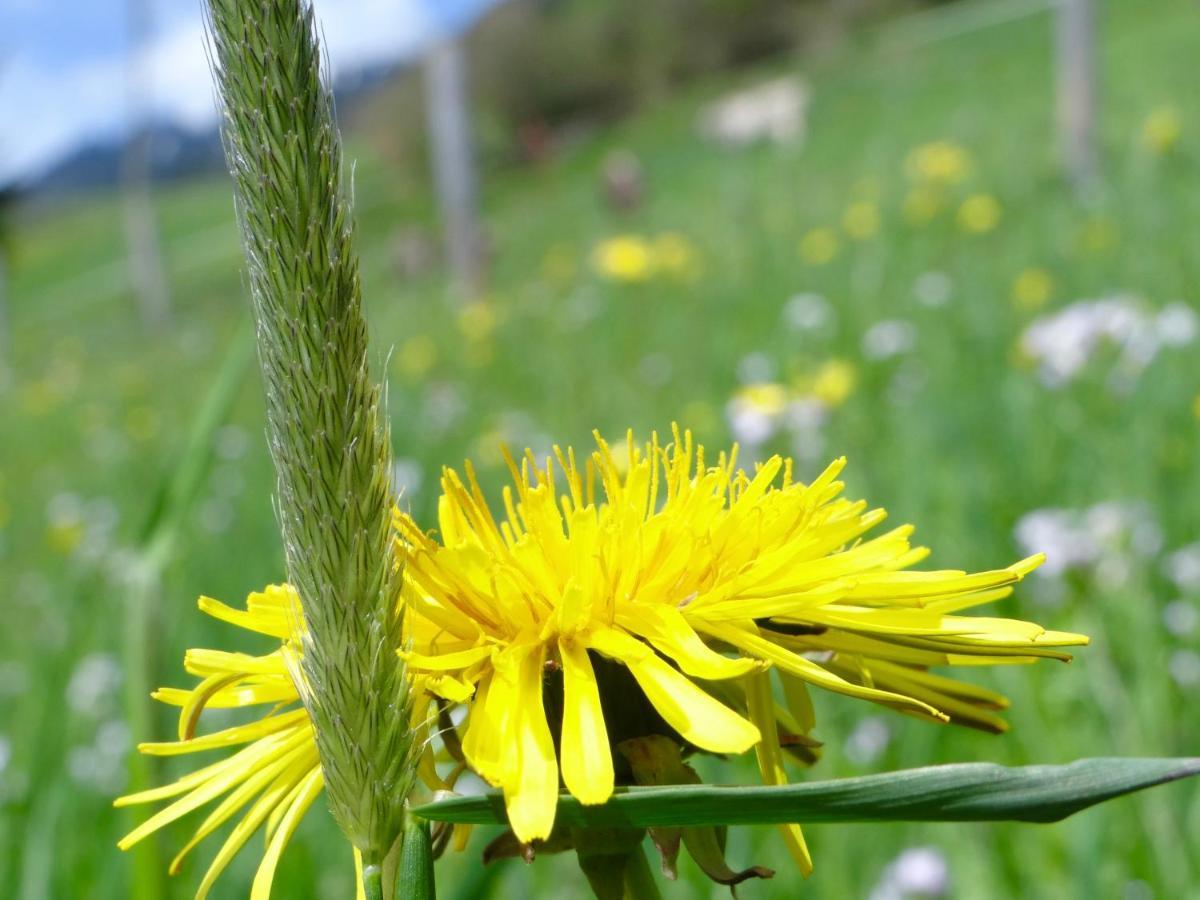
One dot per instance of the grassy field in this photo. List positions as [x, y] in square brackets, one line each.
[949, 424]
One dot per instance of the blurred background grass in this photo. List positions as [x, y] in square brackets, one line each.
[948, 425]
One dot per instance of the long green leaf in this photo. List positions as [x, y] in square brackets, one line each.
[964, 792]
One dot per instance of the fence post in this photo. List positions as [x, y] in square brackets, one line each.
[141, 225]
[1077, 103]
[453, 163]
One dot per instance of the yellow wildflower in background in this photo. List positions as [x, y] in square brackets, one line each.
[1196, 407]
[768, 398]
[979, 214]
[1098, 234]
[818, 246]
[832, 383]
[274, 778]
[938, 162]
[627, 258]
[599, 592]
[1161, 130]
[861, 220]
[1031, 289]
[477, 320]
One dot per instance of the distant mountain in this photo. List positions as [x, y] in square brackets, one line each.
[175, 152]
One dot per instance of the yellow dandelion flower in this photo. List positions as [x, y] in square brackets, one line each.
[627, 258]
[1161, 130]
[1032, 289]
[819, 246]
[658, 600]
[832, 384]
[477, 320]
[275, 776]
[861, 220]
[938, 162]
[767, 398]
[979, 214]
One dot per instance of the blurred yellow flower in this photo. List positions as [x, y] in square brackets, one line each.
[1161, 130]
[1032, 289]
[477, 320]
[417, 355]
[921, 205]
[939, 162]
[861, 220]
[676, 256]
[64, 537]
[979, 214]
[1196, 407]
[767, 398]
[818, 246]
[628, 258]
[832, 383]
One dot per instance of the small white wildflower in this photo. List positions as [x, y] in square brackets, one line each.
[1183, 567]
[407, 477]
[755, 368]
[917, 872]
[933, 289]
[93, 684]
[889, 338]
[807, 312]
[1184, 667]
[231, 442]
[1180, 618]
[868, 740]
[1177, 325]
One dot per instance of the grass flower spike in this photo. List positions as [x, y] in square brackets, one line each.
[682, 581]
[274, 777]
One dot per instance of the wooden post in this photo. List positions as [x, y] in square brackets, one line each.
[5, 339]
[141, 225]
[1077, 104]
[453, 164]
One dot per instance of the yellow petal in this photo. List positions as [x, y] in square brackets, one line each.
[761, 708]
[667, 629]
[531, 795]
[587, 765]
[301, 799]
[697, 716]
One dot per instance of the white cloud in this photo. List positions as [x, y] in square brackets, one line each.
[48, 110]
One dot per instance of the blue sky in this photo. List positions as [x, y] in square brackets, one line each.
[64, 64]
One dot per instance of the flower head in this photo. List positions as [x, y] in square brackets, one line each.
[627, 258]
[274, 777]
[654, 598]
[938, 163]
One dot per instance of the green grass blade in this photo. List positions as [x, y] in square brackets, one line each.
[965, 792]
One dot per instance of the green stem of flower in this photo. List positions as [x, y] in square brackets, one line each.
[414, 875]
[615, 863]
[372, 878]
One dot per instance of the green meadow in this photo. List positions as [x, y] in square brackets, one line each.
[134, 475]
